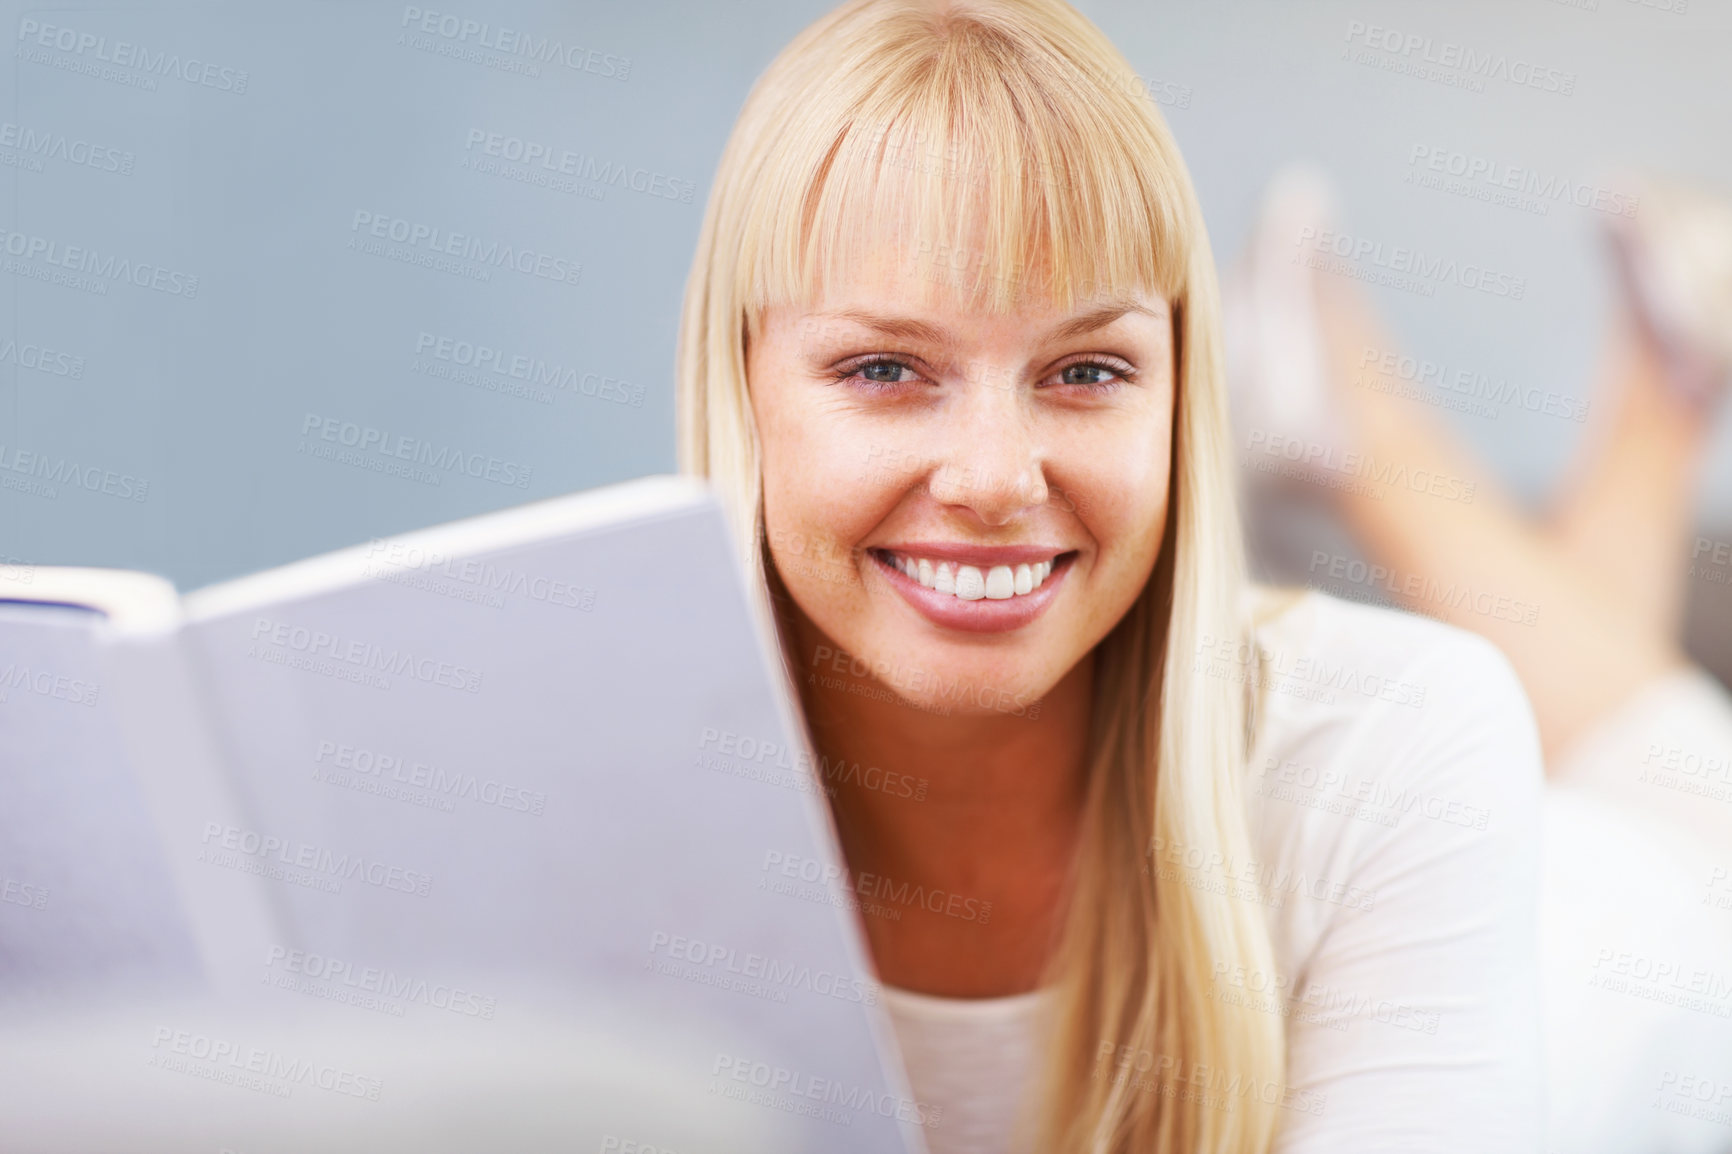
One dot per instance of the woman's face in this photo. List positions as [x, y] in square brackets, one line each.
[1016, 466]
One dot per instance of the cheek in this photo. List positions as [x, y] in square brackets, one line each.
[812, 525]
[817, 499]
[1116, 480]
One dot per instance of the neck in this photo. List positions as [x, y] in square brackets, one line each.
[959, 828]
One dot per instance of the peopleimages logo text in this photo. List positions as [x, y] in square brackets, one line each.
[1422, 49]
[535, 371]
[53, 471]
[92, 262]
[366, 438]
[579, 165]
[418, 235]
[515, 42]
[381, 980]
[1410, 262]
[363, 654]
[124, 54]
[337, 867]
[50, 145]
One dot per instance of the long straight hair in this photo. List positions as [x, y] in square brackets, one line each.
[1012, 131]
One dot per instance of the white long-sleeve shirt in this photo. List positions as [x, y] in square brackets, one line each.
[1392, 795]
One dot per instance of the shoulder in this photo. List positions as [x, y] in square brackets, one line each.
[1372, 703]
[1346, 659]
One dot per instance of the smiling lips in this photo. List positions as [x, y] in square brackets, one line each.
[977, 589]
[968, 582]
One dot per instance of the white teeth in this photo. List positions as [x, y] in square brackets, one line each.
[969, 583]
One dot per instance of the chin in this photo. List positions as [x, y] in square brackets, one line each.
[957, 676]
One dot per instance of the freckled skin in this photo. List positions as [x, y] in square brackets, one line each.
[990, 435]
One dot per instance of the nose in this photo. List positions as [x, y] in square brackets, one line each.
[990, 461]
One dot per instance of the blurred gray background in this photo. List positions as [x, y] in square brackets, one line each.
[274, 153]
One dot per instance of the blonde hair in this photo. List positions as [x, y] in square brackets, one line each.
[886, 110]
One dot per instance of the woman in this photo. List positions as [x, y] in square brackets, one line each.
[950, 356]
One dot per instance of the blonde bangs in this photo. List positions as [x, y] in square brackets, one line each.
[980, 163]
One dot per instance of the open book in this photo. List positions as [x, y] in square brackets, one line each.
[513, 814]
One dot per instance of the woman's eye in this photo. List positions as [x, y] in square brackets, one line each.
[1092, 375]
[880, 374]
[884, 372]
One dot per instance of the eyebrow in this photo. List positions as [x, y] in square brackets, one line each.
[908, 328]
